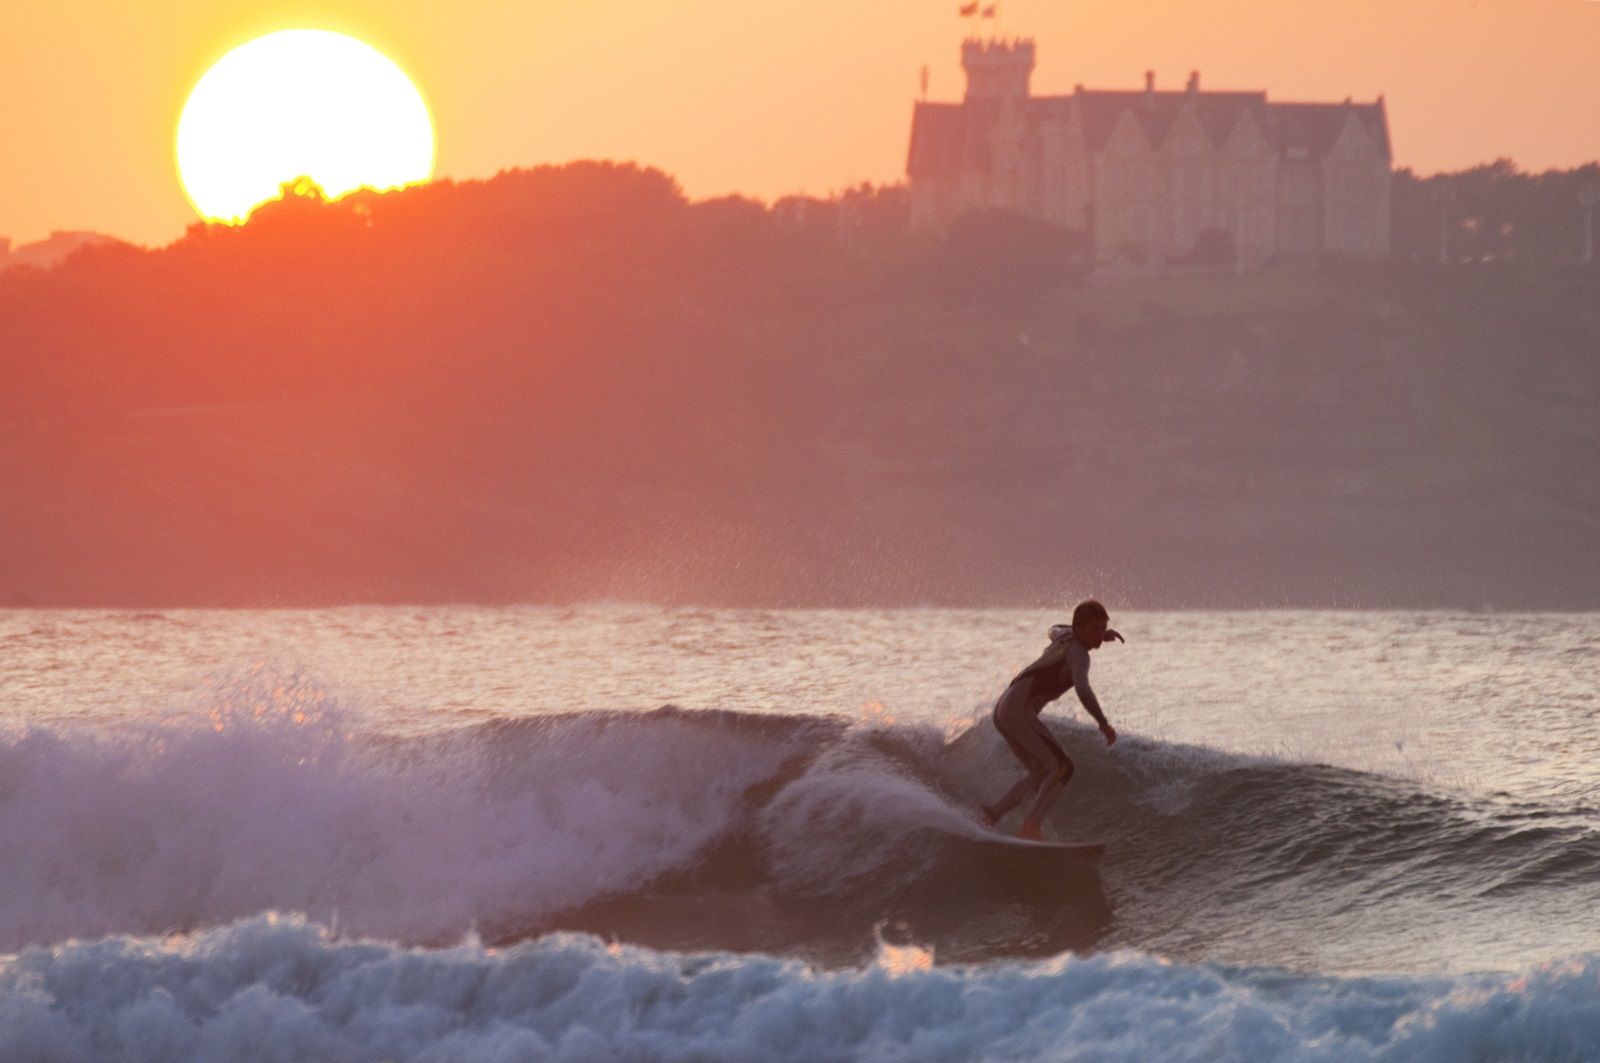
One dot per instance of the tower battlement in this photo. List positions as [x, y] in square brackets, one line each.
[997, 69]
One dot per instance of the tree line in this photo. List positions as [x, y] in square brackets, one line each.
[574, 381]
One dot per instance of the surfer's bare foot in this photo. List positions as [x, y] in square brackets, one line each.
[1030, 831]
[988, 817]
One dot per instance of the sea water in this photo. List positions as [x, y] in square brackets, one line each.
[629, 832]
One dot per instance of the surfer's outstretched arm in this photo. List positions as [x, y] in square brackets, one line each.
[1079, 659]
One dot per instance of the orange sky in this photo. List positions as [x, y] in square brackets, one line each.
[762, 97]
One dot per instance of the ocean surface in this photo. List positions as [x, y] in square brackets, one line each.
[625, 832]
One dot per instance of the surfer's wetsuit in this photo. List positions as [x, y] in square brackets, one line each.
[1062, 667]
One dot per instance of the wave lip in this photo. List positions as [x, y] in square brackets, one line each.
[271, 805]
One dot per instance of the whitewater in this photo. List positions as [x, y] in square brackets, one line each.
[631, 832]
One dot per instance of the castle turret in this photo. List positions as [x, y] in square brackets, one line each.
[997, 69]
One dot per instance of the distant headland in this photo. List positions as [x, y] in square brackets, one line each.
[574, 383]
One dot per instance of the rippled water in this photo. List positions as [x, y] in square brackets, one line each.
[1484, 702]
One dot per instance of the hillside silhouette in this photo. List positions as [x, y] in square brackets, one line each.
[574, 383]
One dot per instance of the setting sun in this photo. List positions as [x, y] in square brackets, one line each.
[300, 103]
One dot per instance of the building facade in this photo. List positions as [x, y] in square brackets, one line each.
[1155, 176]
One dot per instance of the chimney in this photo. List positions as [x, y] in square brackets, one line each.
[1149, 81]
[1194, 82]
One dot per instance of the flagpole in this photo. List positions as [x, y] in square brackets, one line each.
[970, 10]
[991, 12]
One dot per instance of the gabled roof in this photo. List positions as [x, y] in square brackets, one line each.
[1156, 111]
[945, 135]
[1315, 127]
[1221, 111]
[959, 134]
[1104, 109]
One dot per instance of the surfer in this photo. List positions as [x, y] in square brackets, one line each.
[1063, 666]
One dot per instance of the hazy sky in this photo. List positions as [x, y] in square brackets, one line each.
[762, 97]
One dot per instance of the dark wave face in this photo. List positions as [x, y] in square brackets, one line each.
[797, 836]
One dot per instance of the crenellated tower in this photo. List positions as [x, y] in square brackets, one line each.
[997, 69]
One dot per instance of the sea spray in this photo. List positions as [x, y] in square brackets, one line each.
[260, 804]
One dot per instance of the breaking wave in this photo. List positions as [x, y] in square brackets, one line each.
[801, 836]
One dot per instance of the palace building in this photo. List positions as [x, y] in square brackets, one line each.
[1153, 175]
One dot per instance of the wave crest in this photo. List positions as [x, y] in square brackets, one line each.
[797, 835]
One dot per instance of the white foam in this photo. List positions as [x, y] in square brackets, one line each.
[268, 804]
[849, 813]
[273, 989]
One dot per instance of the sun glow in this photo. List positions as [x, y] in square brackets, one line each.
[300, 103]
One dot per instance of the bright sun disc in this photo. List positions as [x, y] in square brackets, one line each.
[300, 103]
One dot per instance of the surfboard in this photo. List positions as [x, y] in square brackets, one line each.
[1061, 850]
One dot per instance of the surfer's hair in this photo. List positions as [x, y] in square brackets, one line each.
[1088, 610]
